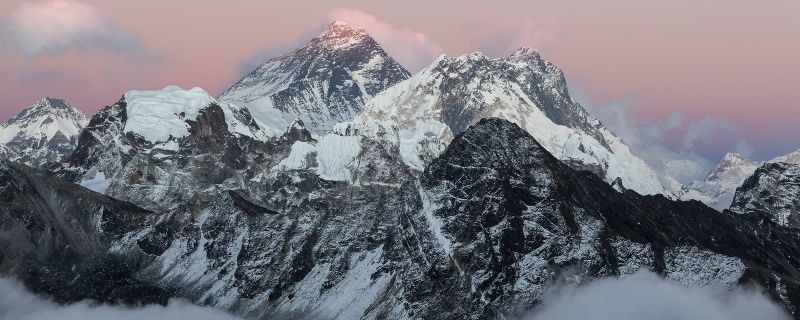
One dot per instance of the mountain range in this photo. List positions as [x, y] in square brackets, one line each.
[719, 187]
[331, 183]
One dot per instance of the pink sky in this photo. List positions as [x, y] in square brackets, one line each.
[732, 63]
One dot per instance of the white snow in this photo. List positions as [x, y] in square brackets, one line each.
[161, 115]
[415, 108]
[719, 187]
[692, 266]
[334, 156]
[97, 184]
[52, 122]
[298, 157]
[435, 224]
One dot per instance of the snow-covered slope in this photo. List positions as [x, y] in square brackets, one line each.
[773, 189]
[164, 115]
[719, 186]
[429, 109]
[322, 83]
[144, 146]
[793, 158]
[480, 232]
[43, 133]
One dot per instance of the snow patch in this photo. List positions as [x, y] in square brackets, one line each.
[97, 184]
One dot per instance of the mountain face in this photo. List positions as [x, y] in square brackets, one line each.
[144, 147]
[719, 187]
[325, 82]
[43, 133]
[56, 238]
[454, 194]
[479, 234]
[429, 109]
[793, 158]
[6, 153]
[773, 190]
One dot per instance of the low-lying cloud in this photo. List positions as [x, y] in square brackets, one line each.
[17, 303]
[645, 295]
[55, 26]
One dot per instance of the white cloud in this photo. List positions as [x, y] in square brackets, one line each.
[646, 296]
[16, 303]
[744, 148]
[412, 49]
[54, 26]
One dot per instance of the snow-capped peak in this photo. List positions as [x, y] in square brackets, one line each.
[451, 94]
[163, 115]
[733, 167]
[44, 119]
[322, 83]
[719, 187]
[340, 32]
[792, 158]
[45, 132]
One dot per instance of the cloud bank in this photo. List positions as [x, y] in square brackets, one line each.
[55, 26]
[412, 49]
[644, 295]
[16, 303]
[650, 141]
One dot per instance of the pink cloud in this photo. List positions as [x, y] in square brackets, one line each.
[53, 26]
[497, 35]
[413, 49]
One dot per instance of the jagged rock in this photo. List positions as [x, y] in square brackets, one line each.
[42, 134]
[773, 190]
[427, 110]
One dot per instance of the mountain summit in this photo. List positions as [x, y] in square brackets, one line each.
[454, 93]
[43, 133]
[322, 83]
[718, 188]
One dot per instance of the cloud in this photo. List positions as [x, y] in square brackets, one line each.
[706, 131]
[649, 140]
[412, 49]
[744, 148]
[495, 35]
[55, 26]
[644, 295]
[18, 303]
[526, 33]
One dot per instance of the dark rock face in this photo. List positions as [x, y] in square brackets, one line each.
[512, 215]
[478, 235]
[56, 238]
[774, 191]
[322, 83]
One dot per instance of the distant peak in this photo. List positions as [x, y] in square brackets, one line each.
[340, 29]
[52, 103]
[734, 157]
[475, 55]
[525, 52]
[339, 24]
